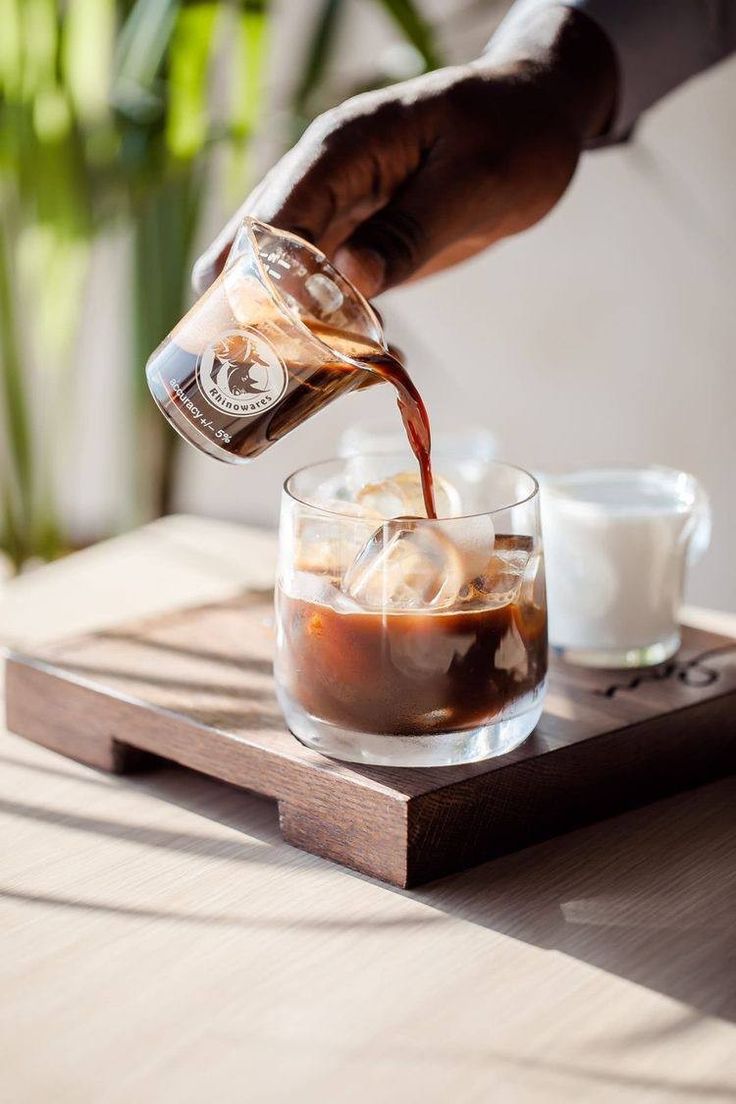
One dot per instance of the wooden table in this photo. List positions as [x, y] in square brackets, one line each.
[161, 943]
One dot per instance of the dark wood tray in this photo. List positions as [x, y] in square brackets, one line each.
[195, 687]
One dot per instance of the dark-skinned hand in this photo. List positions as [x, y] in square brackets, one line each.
[408, 180]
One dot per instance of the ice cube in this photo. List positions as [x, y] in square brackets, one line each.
[328, 538]
[348, 509]
[362, 469]
[474, 538]
[500, 581]
[400, 495]
[413, 563]
[310, 587]
[318, 590]
[318, 557]
[327, 492]
[408, 564]
[511, 654]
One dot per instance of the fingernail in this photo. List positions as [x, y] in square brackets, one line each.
[363, 267]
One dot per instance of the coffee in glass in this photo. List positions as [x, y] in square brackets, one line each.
[407, 640]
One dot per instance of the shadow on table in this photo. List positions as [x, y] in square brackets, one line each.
[177, 787]
[253, 817]
[649, 896]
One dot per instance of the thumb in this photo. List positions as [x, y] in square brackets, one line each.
[400, 238]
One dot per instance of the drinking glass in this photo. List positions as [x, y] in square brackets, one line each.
[402, 640]
[618, 542]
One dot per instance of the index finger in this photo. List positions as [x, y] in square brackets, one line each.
[295, 195]
[322, 189]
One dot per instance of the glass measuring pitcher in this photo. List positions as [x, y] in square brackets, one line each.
[278, 336]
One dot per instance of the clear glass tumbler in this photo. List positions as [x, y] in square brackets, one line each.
[406, 641]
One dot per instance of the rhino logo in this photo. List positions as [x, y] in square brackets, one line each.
[246, 377]
[241, 373]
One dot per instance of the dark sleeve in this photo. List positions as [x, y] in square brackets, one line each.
[659, 44]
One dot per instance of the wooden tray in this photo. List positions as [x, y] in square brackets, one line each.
[196, 687]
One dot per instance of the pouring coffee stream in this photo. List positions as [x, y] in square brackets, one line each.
[389, 366]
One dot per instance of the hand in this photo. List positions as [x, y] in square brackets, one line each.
[408, 180]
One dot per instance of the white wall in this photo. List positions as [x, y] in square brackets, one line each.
[606, 334]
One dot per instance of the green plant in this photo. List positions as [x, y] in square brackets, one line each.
[107, 116]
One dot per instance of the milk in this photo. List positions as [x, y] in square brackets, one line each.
[616, 547]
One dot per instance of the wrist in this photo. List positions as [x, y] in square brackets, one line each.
[567, 56]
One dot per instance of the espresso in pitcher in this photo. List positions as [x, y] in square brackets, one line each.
[267, 401]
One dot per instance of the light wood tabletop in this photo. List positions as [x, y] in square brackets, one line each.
[160, 942]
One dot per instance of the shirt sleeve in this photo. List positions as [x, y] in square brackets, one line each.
[659, 44]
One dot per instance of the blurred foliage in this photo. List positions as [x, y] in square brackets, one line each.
[110, 111]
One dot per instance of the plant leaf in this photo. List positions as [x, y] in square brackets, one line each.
[164, 232]
[251, 51]
[317, 57]
[248, 63]
[415, 27]
[10, 48]
[87, 56]
[142, 46]
[18, 480]
[187, 120]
